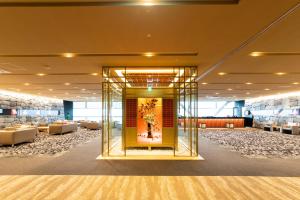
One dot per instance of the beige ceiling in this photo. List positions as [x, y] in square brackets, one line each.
[211, 30]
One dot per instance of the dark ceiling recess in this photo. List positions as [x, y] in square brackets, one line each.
[115, 3]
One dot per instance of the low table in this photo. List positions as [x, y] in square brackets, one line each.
[277, 128]
[43, 129]
[268, 128]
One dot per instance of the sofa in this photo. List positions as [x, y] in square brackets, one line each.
[12, 136]
[61, 128]
[93, 125]
[83, 124]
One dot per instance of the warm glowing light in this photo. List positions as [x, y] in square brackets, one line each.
[50, 89]
[229, 89]
[41, 74]
[83, 89]
[204, 83]
[128, 85]
[248, 93]
[222, 73]
[66, 93]
[148, 2]
[280, 73]
[296, 83]
[149, 54]
[94, 93]
[148, 71]
[68, 55]
[26, 84]
[67, 84]
[94, 74]
[248, 83]
[217, 93]
[267, 89]
[256, 54]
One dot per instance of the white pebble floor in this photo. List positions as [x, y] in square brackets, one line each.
[50, 145]
[255, 143]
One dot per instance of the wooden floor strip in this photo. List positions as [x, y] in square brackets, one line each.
[148, 187]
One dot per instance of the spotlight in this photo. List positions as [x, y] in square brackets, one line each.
[256, 54]
[68, 55]
[222, 73]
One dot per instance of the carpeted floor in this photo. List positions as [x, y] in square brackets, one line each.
[46, 144]
[81, 160]
[255, 143]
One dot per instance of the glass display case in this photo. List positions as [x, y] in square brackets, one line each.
[159, 112]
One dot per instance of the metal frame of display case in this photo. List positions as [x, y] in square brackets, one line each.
[117, 80]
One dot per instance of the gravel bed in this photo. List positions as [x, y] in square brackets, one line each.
[50, 145]
[255, 143]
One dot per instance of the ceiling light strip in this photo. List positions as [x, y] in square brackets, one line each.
[257, 54]
[102, 54]
[116, 3]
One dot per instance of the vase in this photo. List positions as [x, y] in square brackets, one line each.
[149, 131]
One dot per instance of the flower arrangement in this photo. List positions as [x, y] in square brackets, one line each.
[147, 113]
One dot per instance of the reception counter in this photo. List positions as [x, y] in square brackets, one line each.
[221, 122]
[216, 122]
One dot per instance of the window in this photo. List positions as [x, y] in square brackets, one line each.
[215, 109]
[87, 111]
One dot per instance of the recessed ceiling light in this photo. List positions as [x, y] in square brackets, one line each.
[83, 89]
[94, 74]
[26, 84]
[248, 83]
[296, 83]
[280, 73]
[222, 73]
[67, 83]
[204, 83]
[229, 89]
[41, 74]
[148, 3]
[248, 93]
[50, 89]
[256, 54]
[217, 93]
[149, 54]
[267, 89]
[68, 55]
